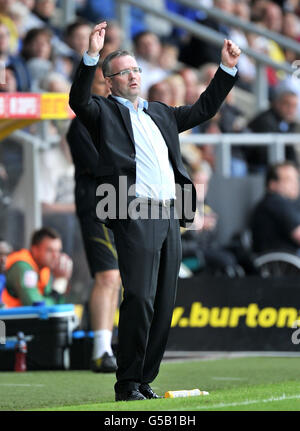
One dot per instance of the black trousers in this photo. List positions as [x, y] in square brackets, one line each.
[149, 253]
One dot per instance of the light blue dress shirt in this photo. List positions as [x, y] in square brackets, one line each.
[154, 173]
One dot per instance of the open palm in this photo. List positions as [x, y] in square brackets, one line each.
[97, 37]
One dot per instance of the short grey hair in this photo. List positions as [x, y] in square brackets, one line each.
[115, 54]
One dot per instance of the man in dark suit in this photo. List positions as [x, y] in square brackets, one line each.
[140, 160]
[281, 117]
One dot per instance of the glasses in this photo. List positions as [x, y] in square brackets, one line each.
[126, 72]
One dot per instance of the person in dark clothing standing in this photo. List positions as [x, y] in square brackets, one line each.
[98, 240]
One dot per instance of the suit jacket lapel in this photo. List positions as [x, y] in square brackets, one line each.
[125, 117]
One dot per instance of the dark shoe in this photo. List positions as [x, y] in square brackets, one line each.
[105, 364]
[134, 395]
[147, 391]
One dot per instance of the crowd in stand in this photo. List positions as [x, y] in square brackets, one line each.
[41, 54]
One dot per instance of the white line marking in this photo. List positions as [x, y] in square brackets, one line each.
[20, 384]
[245, 403]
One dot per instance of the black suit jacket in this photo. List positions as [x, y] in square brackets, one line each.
[269, 122]
[109, 124]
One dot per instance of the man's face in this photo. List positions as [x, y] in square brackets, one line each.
[47, 252]
[287, 107]
[288, 182]
[149, 47]
[79, 40]
[127, 86]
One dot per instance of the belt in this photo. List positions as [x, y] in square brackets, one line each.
[158, 202]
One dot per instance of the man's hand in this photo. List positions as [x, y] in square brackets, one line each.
[230, 53]
[96, 41]
[62, 274]
[64, 267]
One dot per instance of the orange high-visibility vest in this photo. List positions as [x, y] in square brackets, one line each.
[24, 256]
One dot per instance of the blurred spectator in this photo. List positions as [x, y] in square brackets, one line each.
[232, 120]
[40, 274]
[31, 20]
[206, 73]
[45, 10]
[16, 63]
[192, 156]
[19, 14]
[273, 20]
[113, 38]
[280, 118]
[5, 18]
[168, 59]
[56, 192]
[192, 85]
[197, 52]
[147, 51]
[5, 250]
[177, 87]
[272, 16]
[208, 151]
[77, 38]
[10, 84]
[37, 44]
[160, 92]
[290, 28]
[200, 248]
[55, 83]
[247, 67]
[269, 15]
[55, 186]
[229, 119]
[5, 6]
[38, 53]
[275, 221]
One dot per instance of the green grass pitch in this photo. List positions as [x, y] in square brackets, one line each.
[249, 383]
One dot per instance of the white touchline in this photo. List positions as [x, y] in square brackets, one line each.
[245, 403]
[242, 403]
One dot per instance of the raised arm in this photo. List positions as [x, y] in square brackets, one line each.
[96, 40]
[80, 95]
[212, 98]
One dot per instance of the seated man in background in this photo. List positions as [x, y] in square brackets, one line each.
[281, 117]
[40, 274]
[275, 223]
[201, 250]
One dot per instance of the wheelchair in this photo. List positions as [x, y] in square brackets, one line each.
[277, 264]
